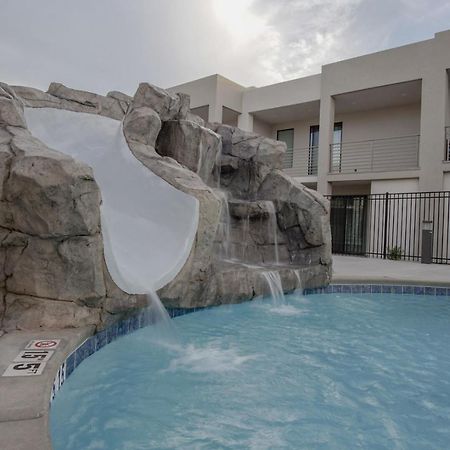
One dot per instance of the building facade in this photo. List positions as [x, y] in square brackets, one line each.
[368, 125]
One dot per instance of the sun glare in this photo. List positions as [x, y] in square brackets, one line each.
[237, 17]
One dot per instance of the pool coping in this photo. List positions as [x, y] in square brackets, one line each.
[31, 429]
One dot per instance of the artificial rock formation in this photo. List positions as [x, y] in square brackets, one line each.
[52, 268]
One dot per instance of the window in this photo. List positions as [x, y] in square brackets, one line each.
[313, 156]
[287, 136]
[336, 148]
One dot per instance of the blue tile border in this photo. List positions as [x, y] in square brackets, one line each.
[381, 288]
[142, 319]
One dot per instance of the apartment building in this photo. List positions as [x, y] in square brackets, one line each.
[366, 125]
[373, 132]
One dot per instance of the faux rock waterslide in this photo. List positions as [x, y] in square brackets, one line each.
[105, 198]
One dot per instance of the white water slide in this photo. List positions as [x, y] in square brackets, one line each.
[148, 226]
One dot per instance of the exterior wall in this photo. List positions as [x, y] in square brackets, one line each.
[202, 91]
[262, 128]
[287, 93]
[394, 186]
[446, 183]
[216, 92]
[380, 123]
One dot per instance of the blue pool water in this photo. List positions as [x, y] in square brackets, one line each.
[334, 371]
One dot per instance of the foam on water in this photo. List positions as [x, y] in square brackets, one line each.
[208, 358]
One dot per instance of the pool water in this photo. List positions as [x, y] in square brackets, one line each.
[332, 371]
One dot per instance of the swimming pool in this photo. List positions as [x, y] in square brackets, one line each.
[334, 371]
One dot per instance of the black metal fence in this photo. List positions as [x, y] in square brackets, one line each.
[391, 225]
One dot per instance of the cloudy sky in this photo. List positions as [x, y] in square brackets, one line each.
[101, 45]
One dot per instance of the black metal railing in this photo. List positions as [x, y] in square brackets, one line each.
[375, 155]
[390, 225]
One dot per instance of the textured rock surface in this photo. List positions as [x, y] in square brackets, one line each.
[52, 268]
[167, 106]
[190, 144]
[106, 106]
[246, 160]
[142, 126]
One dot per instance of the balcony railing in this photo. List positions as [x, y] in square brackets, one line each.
[447, 143]
[301, 162]
[376, 155]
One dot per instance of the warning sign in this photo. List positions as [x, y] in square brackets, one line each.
[43, 344]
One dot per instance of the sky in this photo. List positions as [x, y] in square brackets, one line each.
[103, 45]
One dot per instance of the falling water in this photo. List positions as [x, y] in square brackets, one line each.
[276, 289]
[245, 237]
[299, 288]
[225, 220]
[273, 228]
[157, 315]
[218, 168]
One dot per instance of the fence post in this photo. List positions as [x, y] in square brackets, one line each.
[386, 206]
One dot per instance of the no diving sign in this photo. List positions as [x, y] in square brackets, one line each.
[33, 359]
[43, 344]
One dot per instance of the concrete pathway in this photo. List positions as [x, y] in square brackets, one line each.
[347, 269]
[25, 401]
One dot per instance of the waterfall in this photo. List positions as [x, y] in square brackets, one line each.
[299, 288]
[225, 223]
[157, 315]
[273, 229]
[276, 289]
[245, 237]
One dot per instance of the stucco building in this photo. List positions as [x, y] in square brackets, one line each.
[366, 125]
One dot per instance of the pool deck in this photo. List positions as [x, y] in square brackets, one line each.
[355, 269]
[24, 401]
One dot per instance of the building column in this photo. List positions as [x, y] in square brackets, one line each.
[434, 111]
[245, 121]
[326, 128]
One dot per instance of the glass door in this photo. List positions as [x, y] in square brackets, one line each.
[336, 148]
[313, 149]
[287, 136]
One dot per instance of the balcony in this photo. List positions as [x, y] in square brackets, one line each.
[301, 162]
[376, 155]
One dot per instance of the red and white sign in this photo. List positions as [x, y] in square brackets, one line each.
[43, 344]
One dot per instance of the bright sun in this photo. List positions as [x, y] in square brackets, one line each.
[238, 18]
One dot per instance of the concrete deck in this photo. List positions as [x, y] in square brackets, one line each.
[355, 269]
[25, 401]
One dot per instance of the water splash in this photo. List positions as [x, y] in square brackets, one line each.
[299, 288]
[210, 358]
[276, 288]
